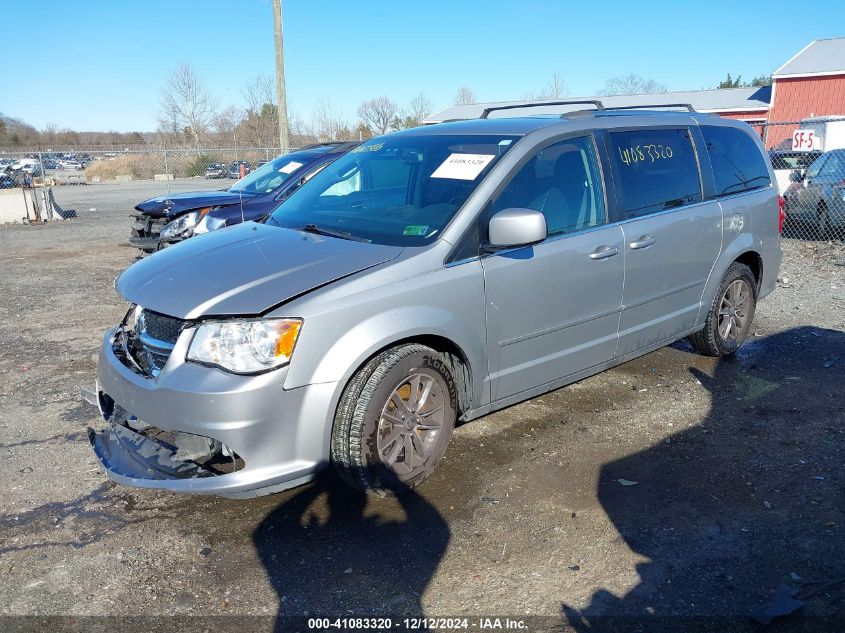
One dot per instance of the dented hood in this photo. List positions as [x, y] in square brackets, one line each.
[243, 270]
[173, 204]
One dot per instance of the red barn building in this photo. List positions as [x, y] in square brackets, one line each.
[812, 83]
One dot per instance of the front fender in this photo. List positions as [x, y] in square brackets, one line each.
[448, 303]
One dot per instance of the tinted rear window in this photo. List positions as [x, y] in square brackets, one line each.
[738, 163]
[657, 169]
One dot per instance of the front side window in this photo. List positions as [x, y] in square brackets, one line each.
[561, 181]
[657, 168]
[738, 164]
[400, 190]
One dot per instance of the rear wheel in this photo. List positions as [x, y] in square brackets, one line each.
[395, 419]
[729, 318]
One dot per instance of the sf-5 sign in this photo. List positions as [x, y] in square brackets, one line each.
[805, 141]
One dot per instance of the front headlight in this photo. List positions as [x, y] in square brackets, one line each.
[245, 347]
[209, 223]
[183, 226]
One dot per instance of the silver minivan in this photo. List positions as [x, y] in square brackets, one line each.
[427, 278]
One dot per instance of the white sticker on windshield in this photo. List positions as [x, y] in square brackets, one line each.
[463, 166]
[290, 167]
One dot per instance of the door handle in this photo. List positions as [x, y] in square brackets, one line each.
[644, 242]
[603, 252]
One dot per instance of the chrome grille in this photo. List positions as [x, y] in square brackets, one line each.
[146, 339]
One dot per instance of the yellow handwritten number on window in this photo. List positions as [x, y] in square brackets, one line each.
[645, 153]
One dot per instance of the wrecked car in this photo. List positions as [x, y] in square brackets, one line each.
[429, 277]
[165, 220]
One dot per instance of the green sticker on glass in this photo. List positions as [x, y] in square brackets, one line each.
[418, 230]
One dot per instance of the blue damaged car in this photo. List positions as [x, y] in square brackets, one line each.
[165, 220]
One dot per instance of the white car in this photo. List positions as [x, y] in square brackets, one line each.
[30, 166]
[787, 161]
[70, 164]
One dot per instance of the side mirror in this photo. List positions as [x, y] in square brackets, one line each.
[516, 227]
[796, 176]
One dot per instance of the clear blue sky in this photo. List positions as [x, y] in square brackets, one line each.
[98, 65]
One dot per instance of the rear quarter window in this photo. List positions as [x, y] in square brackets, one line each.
[738, 163]
[657, 168]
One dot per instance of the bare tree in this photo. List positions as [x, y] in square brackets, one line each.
[49, 133]
[416, 112]
[186, 104]
[631, 84]
[261, 122]
[225, 123]
[378, 114]
[555, 89]
[300, 133]
[328, 121]
[258, 91]
[465, 96]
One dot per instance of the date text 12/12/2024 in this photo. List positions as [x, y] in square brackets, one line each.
[417, 624]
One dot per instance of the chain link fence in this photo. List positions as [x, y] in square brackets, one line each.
[94, 184]
[808, 158]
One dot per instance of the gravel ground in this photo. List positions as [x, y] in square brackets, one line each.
[673, 491]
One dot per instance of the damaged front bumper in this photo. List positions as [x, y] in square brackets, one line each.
[146, 232]
[197, 429]
[130, 455]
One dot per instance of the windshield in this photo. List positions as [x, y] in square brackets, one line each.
[269, 176]
[394, 190]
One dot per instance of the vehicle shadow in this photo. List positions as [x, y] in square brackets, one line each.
[748, 501]
[331, 551]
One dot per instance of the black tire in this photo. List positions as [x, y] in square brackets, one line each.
[357, 432]
[822, 222]
[709, 342]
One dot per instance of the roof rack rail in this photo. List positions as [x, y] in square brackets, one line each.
[533, 104]
[688, 106]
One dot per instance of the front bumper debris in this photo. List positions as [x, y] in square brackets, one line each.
[127, 453]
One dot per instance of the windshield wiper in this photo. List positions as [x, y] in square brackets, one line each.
[344, 235]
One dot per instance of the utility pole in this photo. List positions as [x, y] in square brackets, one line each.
[284, 140]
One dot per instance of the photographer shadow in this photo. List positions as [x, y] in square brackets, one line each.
[332, 551]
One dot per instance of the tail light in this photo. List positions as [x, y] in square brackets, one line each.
[781, 213]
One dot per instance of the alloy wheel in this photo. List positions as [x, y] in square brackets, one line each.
[410, 423]
[733, 310]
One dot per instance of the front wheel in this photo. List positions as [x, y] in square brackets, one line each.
[395, 419]
[729, 318]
